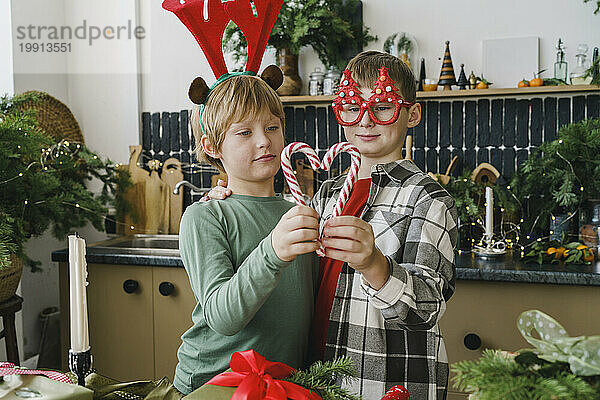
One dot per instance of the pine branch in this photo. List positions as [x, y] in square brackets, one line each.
[497, 375]
[323, 378]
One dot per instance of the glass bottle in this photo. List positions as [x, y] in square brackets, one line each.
[578, 74]
[315, 85]
[560, 66]
[596, 69]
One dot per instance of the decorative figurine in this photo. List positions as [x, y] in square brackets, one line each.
[462, 78]
[447, 77]
[422, 75]
[472, 81]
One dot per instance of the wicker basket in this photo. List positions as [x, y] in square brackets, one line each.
[10, 277]
[55, 118]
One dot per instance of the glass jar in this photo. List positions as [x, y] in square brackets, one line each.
[578, 75]
[589, 223]
[332, 80]
[315, 84]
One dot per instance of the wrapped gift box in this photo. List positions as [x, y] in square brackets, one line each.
[17, 387]
[211, 392]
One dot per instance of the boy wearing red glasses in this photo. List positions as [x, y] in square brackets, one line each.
[389, 267]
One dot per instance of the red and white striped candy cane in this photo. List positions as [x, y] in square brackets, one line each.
[288, 171]
[352, 174]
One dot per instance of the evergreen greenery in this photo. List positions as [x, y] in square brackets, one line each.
[594, 72]
[326, 25]
[560, 175]
[470, 198]
[597, 10]
[499, 375]
[43, 181]
[323, 378]
[6, 245]
[404, 44]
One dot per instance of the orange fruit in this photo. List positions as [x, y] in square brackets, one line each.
[536, 82]
[588, 256]
[523, 83]
[482, 85]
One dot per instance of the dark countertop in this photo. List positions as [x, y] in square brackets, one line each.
[468, 267]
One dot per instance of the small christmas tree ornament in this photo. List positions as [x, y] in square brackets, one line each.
[462, 78]
[422, 75]
[447, 77]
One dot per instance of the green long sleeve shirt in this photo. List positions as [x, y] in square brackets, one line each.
[247, 298]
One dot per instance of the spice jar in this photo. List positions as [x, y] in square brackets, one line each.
[315, 84]
[332, 80]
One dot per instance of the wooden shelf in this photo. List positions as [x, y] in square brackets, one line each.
[440, 94]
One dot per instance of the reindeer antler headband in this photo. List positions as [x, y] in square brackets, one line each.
[207, 19]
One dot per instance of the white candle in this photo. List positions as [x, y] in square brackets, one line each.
[489, 214]
[80, 340]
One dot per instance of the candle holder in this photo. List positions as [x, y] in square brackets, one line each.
[492, 250]
[80, 364]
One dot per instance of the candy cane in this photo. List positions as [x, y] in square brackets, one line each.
[352, 174]
[288, 171]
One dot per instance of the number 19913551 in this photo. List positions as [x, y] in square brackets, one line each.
[35, 47]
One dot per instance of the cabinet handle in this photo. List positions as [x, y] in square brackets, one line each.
[472, 341]
[166, 288]
[130, 286]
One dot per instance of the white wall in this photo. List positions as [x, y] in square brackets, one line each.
[176, 58]
[6, 62]
[99, 84]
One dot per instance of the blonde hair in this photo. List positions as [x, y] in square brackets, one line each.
[238, 98]
[365, 71]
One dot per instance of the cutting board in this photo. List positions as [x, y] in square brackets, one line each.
[171, 174]
[149, 199]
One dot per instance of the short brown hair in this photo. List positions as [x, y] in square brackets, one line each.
[365, 71]
[237, 98]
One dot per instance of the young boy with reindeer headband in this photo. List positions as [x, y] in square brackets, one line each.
[388, 266]
[250, 258]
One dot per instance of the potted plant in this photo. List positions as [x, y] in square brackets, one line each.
[327, 26]
[43, 183]
[560, 177]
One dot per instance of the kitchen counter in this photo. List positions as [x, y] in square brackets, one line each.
[468, 267]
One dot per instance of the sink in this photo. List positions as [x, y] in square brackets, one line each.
[139, 244]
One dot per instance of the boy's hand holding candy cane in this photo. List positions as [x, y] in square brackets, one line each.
[296, 233]
[350, 239]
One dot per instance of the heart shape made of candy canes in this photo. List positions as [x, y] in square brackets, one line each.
[316, 163]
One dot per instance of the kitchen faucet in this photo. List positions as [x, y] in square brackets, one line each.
[194, 190]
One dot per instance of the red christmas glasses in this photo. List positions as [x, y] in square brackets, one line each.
[383, 107]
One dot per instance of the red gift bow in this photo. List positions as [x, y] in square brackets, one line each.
[259, 379]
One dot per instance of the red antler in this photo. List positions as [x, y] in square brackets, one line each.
[256, 28]
[206, 19]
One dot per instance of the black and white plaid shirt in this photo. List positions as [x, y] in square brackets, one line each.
[392, 334]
